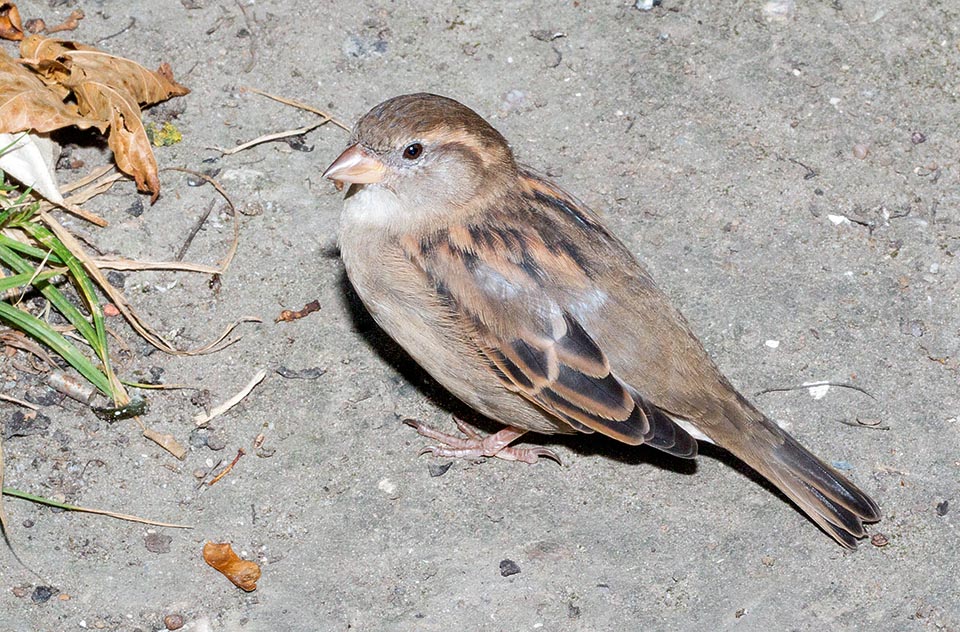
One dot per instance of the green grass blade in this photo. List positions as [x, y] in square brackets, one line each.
[28, 250]
[84, 284]
[24, 278]
[39, 330]
[51, 293]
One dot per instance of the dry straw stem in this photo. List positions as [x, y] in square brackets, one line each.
[302, 106]
[18, 402]
[103, 512]
[94, 267]
[267, 138]
[204, 418]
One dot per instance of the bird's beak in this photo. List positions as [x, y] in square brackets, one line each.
[355, 166]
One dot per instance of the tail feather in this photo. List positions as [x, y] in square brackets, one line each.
[835, 504]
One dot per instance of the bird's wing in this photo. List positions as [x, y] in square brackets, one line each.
[517, 288]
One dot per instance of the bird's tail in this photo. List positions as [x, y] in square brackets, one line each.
[835, 504]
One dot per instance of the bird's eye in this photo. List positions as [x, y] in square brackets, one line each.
[412, 152]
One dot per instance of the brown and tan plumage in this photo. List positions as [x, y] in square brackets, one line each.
[517, 299]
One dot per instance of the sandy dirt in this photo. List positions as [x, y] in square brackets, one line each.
[791, 182]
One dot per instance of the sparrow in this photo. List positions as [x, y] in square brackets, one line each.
[515, 297]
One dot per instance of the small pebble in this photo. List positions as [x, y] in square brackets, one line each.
[42, 594]
[843, 466]
[917, 137]
[766, 560]
[136, 209]
[173, 621]
[508, 568]
[860, 151]
[157, 543]
[435, 469]
[779, 10]
[773, 344]
[878, 540]
[943, 508]
[216, 441]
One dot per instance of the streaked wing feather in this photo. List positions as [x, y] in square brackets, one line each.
[515, 285]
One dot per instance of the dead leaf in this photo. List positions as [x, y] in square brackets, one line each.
[243, 573]
[35, 25]
[109, 89]
[10, 27]
[166, 441]
[70, 24]
[288, 315]
[27, 103]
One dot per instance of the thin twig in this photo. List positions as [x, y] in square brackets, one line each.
[777, 389]
[225, 262]
[811, 172]
[18, 402]
[266, 138]
[193, 231]
[204, 418]
[860, 424]
[129, 26]
[298, 104]
[226, 470]
[117, 263]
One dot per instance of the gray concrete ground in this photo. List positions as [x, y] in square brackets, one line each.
[791, 180]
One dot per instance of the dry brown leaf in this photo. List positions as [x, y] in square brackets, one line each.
[70, 24]
[166, 441]
[289, 315]
[111, 90]
[26, 103]
[10, 27]
[243, 573]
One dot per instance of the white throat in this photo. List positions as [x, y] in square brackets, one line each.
[373, 206]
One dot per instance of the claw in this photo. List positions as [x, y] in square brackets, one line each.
[473, 445]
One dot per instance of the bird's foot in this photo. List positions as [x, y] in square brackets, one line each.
[473, 445]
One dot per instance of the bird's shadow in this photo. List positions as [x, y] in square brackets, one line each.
[581, 444]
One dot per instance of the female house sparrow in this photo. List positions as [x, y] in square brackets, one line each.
[516, 298]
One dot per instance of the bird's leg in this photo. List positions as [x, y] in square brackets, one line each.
[473, 445]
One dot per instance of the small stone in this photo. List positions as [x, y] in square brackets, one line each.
[508, 568]
[779, 10]
[157, 543]
[20, 591]
[860, 151]
[388, 487]
[943, 508]
[435, 469]
[766, 560]
[173, 621]
[878, 540]
[216, 441]
[42, 594]
[918, 137]
[913, 328]
[136, 209]
[116, 279]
